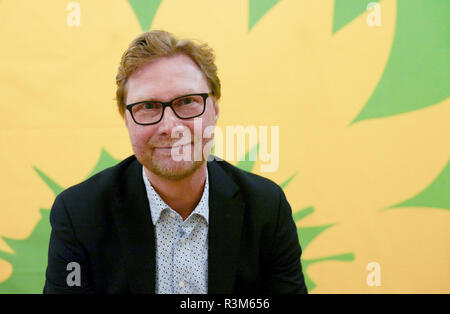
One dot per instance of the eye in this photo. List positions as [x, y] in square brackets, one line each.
[187, 100]
[150, 105]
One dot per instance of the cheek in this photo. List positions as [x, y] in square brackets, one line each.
[140, 135]
[209, 121]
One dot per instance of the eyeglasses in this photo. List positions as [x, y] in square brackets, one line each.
[185, 107]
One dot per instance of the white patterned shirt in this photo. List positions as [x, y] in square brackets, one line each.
[181, 246]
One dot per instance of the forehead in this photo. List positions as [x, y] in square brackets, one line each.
[165, 78]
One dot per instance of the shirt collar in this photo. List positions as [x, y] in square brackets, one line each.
[157, 205]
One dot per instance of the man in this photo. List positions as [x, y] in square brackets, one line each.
[159, 224]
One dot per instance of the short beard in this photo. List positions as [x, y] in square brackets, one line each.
[176, 173]
[170, 169]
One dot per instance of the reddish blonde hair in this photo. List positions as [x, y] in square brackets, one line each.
[156, 44]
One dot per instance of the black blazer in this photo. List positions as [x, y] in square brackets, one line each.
[104, 224]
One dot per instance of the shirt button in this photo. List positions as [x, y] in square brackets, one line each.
[181, 284]
[182, 240]
[172, 215]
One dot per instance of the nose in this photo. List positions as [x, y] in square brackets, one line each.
[168, 121]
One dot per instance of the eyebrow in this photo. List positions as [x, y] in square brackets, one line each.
[152, 98]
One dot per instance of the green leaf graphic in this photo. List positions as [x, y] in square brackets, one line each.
[436, 195]
[285, 183]
[29, 259]
[257, 9]
[55, 187]
[248, 161]
[145, 11]
[306, 235]
[417, 73]
[346, 11]
[105, 161]
[303, 213]
[346, 257]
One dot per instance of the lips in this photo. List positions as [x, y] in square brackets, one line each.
[170, 147]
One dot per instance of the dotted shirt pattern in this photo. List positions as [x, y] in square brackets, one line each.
[181, 246]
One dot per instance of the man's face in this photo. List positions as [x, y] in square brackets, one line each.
[164, 79]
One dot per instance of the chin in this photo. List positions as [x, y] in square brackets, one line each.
[173, 170]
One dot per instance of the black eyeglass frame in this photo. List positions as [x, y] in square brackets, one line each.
[168, 104]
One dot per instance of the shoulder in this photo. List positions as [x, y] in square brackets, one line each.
[251, 185]
[100, 186]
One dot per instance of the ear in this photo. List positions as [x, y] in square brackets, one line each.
[126, 118]
[216, 110]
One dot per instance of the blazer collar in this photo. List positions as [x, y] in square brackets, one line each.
[137, 236]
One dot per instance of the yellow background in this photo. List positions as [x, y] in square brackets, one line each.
[58, 112]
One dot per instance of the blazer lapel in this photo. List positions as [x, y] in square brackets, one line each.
[135, 228]
[226, 209]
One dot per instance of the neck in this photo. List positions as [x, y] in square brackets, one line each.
[182, 195]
